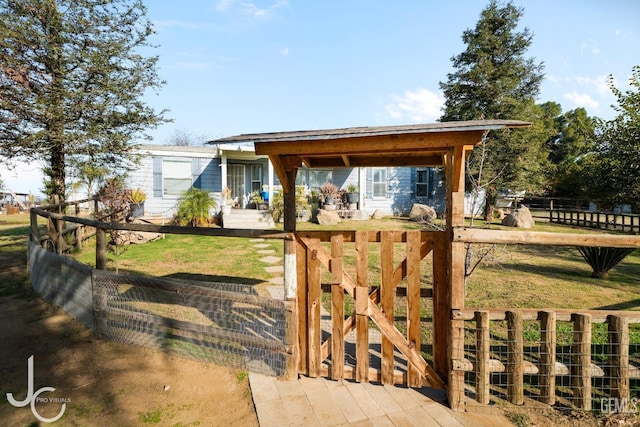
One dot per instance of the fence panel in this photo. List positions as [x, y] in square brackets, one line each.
[62, 281]
[575, 359]
[224, 323]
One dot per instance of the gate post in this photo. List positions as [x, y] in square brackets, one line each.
[455, 174]
[290, 276]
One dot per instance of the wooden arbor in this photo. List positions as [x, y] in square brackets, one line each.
[441, 144]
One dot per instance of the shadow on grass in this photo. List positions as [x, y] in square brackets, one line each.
[567, 263]
[214, 278]
[626, 305]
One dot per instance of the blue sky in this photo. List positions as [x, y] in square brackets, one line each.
[235, 66]
[242, 66]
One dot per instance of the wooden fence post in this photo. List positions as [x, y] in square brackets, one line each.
[483, 351]
[548, 357]
[301, 308]
[315, 333]
[337, 308]
[619, 356]
[101, 249]
[362, 306]
[35, 233]
[60, 242]
[581, 366]
[414, 241]
[387, 294]
[515, 354]
[79, 235]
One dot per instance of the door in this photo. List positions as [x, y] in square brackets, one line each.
[235, 181]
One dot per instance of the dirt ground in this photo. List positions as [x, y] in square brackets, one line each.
[103, 383]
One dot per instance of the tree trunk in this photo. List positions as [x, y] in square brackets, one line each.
[57, 173]
[56, 123]
[490, 205]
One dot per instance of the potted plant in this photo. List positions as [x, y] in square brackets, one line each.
[257, 201]
[225, 196]
[137, 198]
[352, 194]
[328, 191]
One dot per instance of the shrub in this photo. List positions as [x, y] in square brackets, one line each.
[193, 207]
[277, 204]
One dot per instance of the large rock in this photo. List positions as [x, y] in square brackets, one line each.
[422, 213]
[326, 217]
[520, 218]
[126, 237]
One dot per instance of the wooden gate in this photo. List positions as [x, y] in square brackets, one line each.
[326, 249]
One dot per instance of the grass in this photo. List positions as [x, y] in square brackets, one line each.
[218, 259]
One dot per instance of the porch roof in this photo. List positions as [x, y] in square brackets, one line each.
[408, 145]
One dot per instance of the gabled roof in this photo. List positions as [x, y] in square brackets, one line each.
[408, 145]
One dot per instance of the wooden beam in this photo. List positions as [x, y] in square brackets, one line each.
[438, 141]
[478, 235]
[346, 160]
[280, 170]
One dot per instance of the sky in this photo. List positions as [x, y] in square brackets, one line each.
[245, 66]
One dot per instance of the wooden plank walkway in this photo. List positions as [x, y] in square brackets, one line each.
[323, 402]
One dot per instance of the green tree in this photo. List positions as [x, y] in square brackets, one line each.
[72, 77]
[494, 80]
[615, 168]
[569, 153]
[193, 207]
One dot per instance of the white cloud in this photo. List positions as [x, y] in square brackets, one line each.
[581, 100]
[250, 8]
[284, 51]
[224, 4]
[420, 105]
[600, 83]
[595, 50]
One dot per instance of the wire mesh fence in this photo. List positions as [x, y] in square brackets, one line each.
[576, 361]
[223, 323]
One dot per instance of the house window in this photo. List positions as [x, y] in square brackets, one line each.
[256, 178]
[380, 182]
[317, 177]
[176, 176]
[422, 183]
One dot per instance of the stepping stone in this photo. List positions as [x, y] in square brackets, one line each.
[278, 281]
[275, 269]
[267, 251]
[276, 292]
[262, 245]
[271, 259]
[256, 240]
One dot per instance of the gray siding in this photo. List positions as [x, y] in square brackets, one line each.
[401, 191]
[206, 175]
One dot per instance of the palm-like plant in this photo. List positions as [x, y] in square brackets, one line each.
[193, 207]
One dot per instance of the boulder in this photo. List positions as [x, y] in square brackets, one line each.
[126, 237]
[422, 213]
[326, 217]
[520, 218]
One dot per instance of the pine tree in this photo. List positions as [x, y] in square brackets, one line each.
[72, 77]
[494, 80]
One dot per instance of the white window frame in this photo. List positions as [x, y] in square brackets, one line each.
[424, 173]
[177, 176]
[378, 184]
